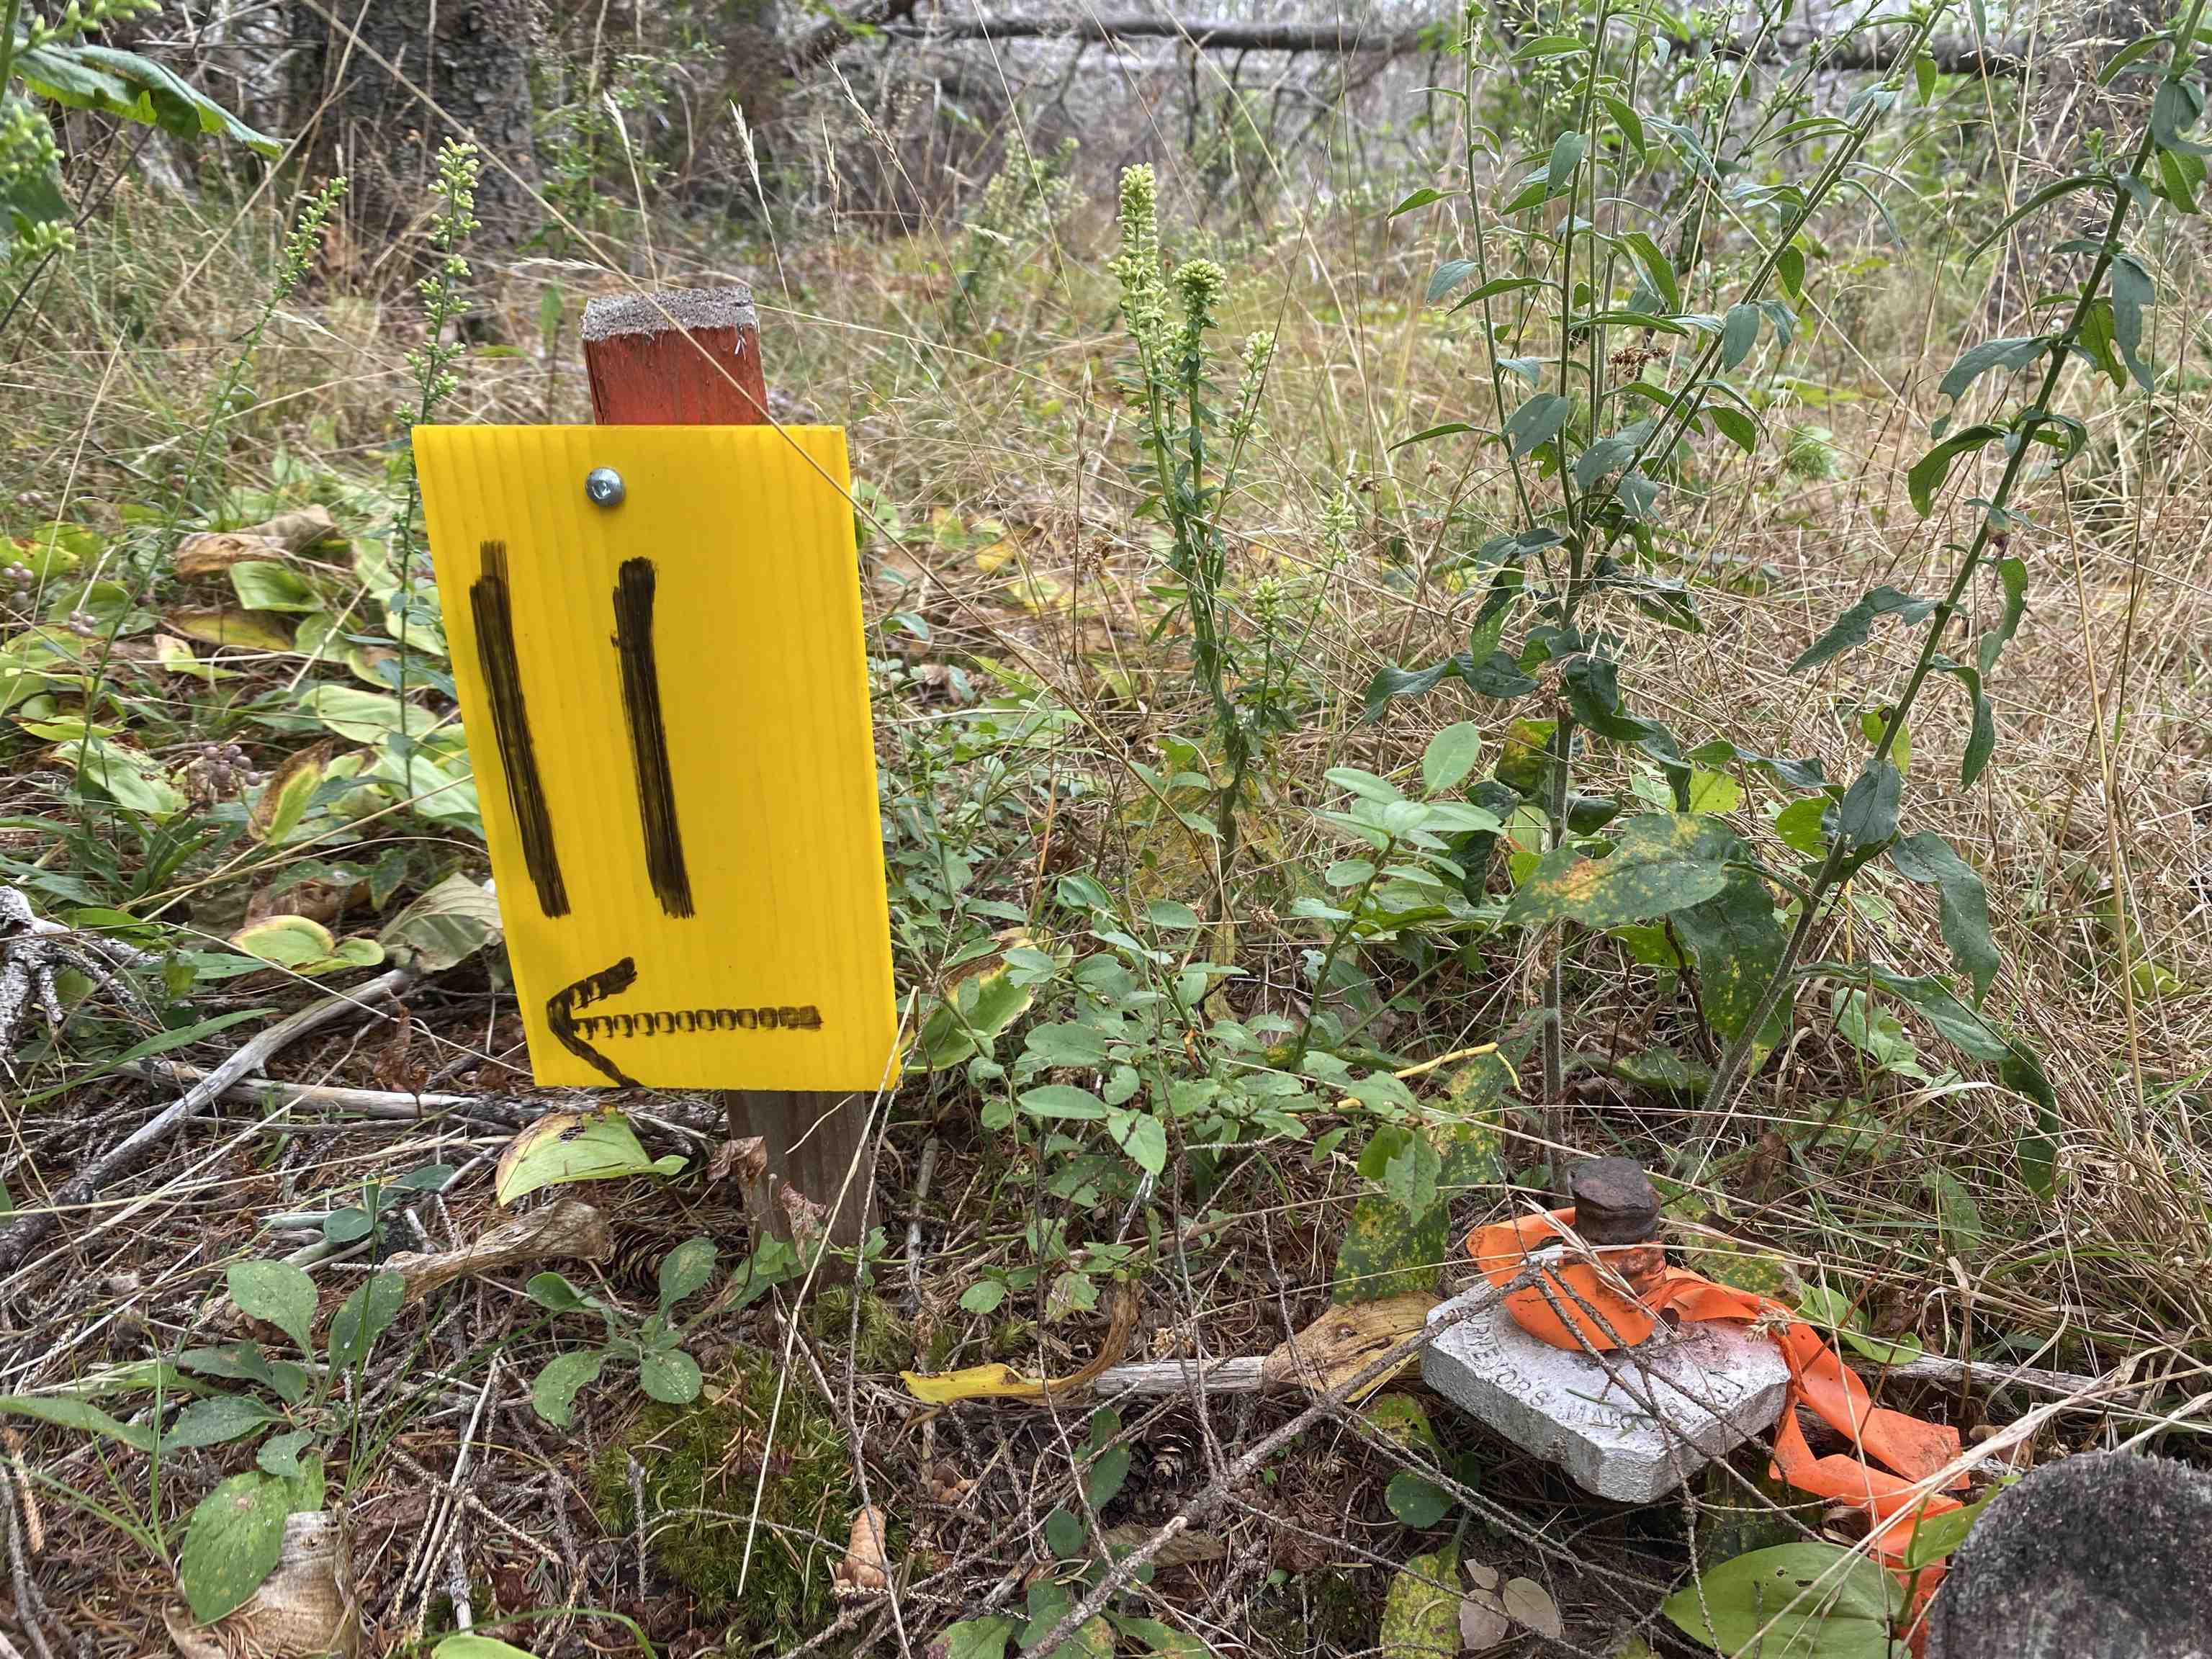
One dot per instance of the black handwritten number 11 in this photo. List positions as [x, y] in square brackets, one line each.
[491, 604]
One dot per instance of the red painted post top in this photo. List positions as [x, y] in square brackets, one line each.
[676, 357]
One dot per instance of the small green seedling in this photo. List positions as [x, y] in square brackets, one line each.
[655, 1346]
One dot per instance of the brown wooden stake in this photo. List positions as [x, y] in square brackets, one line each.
[691, 357]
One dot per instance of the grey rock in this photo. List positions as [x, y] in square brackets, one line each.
[2104, 1556]
[1632, 1428]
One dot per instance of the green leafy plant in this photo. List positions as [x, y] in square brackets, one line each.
[54, 60]
[296, 1411]
[1820, 1600]
[1019, 213]
[1195, 453]
[654, 1345]
[1624, 365]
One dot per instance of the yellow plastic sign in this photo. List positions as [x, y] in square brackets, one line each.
[666, 703]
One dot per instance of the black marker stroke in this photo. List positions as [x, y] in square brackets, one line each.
[648, 737]
[561, 1010]
[493, 607]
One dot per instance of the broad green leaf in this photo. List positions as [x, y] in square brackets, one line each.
[278, 1293]
[983, 1297]
[1567, 151]
[232, 1543]
[1416, 1500]
[1550, 45]
[1739, 334]
[1108, 1472]
[1737, 945]
[304, 946]
[1928, 858]
[2007, 355]
[1448, 275]
[1714, 792]
[1801, 825]
[553, 1392]
[1867, 816]
[117, 83]
[2132, 289]
[1537, 421]
[1658, 269]
[1450, 755]
[1406, 1164]
[1925, 76]
[128, 776]
[364, 1316]
[218, 1419]
[1931, 471]
[264, 585]
[982, 1006]
[1063, 1534]
[553, 1291]
[1065, 1043]
[444, 927]
[1493, 288]
[569, 1146]
[1632, 128]
[467, 1644]
[1855, 625]
[1385, 1252]
[980, 1639]
[2133, 53]
[1142, 1137]
[360, 716]
[283, 800]
[237, 630]
[684, 1269]
[1420, 198]
[1662, 862]
[1421, 1620]
[1811, 1599]
[669, 1375]
[2175, 108]
[1935, 1536]
[280, 1454]
[1738, 428]
[1062, 1100]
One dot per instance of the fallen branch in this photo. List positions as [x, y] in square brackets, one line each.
[2002, 57]
[32, 1225]
[1213, 35]
[570, 1230]
[385, 1105]
[1251, 1374]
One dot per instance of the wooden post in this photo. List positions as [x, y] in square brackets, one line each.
[691, 357]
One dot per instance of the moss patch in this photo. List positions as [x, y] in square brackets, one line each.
[884, 1341]
[701, 1463]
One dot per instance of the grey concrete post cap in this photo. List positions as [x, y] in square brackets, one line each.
[1633, 1426]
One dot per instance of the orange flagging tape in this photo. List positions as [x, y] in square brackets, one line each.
[1581, 1309]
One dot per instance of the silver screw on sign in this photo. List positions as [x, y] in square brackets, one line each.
[604, 486]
